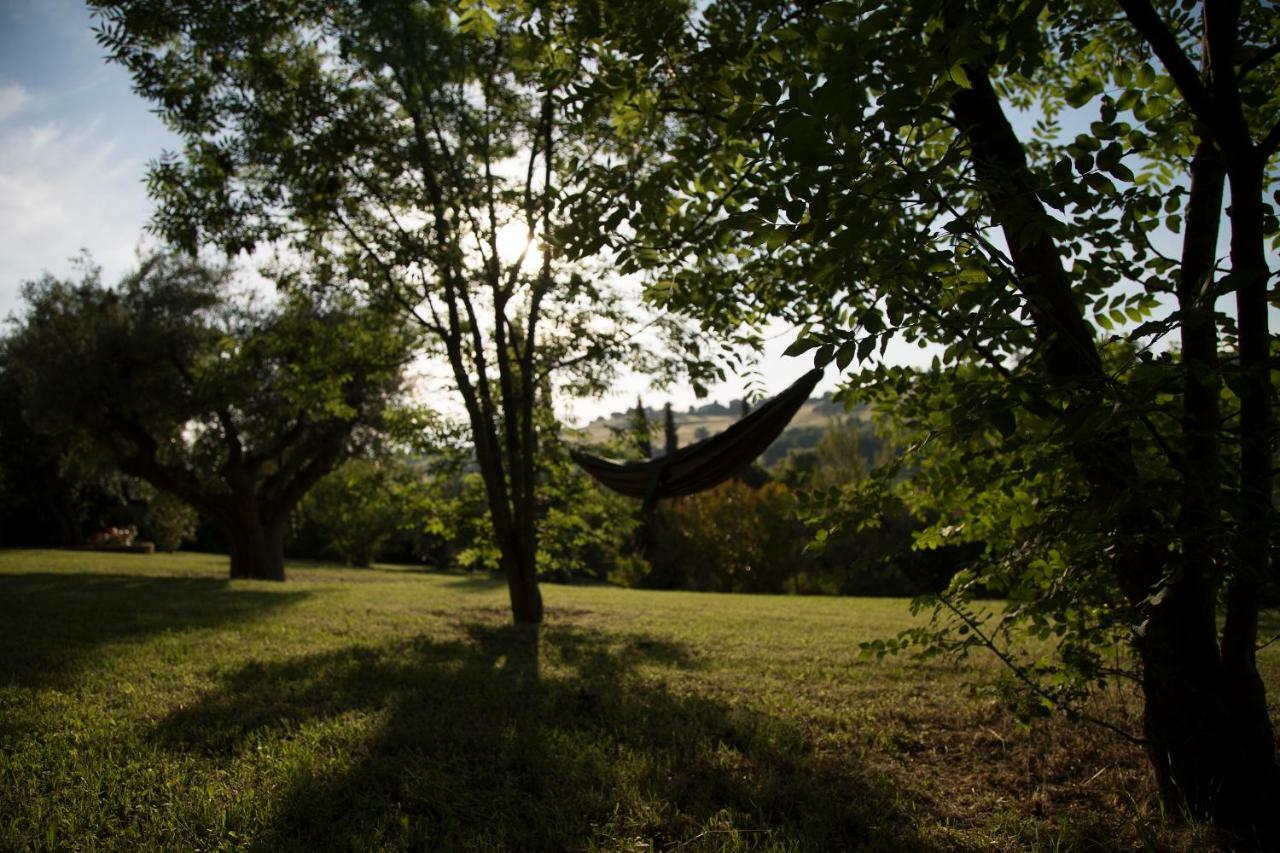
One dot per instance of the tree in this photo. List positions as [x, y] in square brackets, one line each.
[671, 437]
[41, 502]
[856, 169]
[641, 430]
[235, 409]
[169, 522]
[422, 149]
[355, 511]
[733, 538]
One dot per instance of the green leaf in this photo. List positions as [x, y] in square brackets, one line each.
[959, 76]
[865, 347]
[1120, 170]
[1082, 91]
[1004, 421]
[800, 346]
[845, 354]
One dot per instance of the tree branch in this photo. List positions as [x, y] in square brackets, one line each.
[1020, 673]
[1180, 67]
[1270, 143]
[1259, 59]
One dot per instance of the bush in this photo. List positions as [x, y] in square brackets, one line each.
[353, 513]
[732, 538]
[169, 522]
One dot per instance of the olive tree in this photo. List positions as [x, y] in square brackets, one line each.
[235, 408]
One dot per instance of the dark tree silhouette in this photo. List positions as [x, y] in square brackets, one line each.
[236, 410]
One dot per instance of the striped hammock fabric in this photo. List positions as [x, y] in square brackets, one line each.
[707, 463]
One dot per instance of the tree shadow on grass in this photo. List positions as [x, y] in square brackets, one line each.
[53, 622]
[478, 749]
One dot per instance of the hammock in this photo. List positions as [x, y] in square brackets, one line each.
[701, 465]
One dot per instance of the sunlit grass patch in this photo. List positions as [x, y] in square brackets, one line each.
[147, 702]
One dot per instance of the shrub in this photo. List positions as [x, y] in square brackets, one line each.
[730, 539]
[354, 512]
[169, 522]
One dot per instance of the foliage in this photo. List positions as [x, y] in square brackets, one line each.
[420, 151]
[169, 522]
[430, 509]
[641, 430]
[853, 168]
[585, 530]
[733, 538]
[354, 512]
[45, 499]
[670, 435]
[235, 408]
[421, 500]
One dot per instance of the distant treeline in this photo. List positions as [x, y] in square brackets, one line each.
[824, 405]
[748, 535]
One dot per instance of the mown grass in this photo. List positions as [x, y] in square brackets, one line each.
[148, 703]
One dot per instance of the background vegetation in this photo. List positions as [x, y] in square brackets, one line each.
[1081, 484]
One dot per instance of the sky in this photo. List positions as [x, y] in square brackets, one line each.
[75, 142]
[74, 145]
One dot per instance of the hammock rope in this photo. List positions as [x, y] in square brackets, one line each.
[707, 463]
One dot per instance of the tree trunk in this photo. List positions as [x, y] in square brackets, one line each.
[526, 597]
[1251, 568]
[1212, 755]
[513, 532]
[1205, 718]
[1211, 760]
[257, 548]
[519, 564]
[68, 532]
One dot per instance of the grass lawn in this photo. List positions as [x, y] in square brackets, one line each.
[146, 702]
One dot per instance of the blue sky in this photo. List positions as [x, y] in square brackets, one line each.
[74, 144]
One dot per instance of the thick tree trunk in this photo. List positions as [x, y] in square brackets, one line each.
[1211, 758]
[1243, 690]
[514, 532]
[510, 504]
[1210, 743]
[67, 528]
[257, 548]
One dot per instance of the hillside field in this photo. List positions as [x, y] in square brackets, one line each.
[818, 413]
[146, 702]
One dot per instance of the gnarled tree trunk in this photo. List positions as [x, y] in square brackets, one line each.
[256, 546]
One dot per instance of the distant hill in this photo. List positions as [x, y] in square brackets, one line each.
[699, 422]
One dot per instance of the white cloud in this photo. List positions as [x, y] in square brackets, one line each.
[65, 186]
[12, 99]
[36, 139]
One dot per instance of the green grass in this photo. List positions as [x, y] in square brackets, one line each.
[146, 702]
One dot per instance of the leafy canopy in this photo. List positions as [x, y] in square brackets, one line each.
[201, 395]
